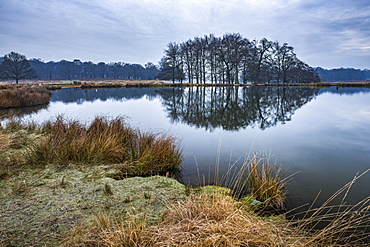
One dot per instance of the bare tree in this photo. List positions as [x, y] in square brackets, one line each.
[174, 59]
[285, 59]
[221, 59]
[261, 54]
[16, 66]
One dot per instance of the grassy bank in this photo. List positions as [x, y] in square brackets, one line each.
[64, 183]
[43, 207]
[105, 141]
[15, 97]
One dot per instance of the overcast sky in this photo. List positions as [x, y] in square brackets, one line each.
[326, 33]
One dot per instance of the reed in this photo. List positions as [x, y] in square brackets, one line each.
[105, 141]
[266, 182]
[257, 176]
[23, 97]
[336, 225]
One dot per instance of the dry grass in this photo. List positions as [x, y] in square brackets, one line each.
[216, 219]
[106, 230]
[202, 220]
[23, 97]
[13, 141]
[5, 140]
[337, 225]
[266, 182]
[105, 141]
[258, 177]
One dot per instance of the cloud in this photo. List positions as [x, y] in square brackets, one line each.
[324, 33]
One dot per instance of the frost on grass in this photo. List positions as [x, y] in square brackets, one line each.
[39, 207]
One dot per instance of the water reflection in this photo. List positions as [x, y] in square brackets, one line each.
[90, 95]
[234, 108]
[228, 108]
[20, 112]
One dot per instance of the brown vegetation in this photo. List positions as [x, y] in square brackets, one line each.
[257, 176]
[13, 142]
[23, 97]
[266, 182]
[105, 141]
[204, 219]
[216, 219]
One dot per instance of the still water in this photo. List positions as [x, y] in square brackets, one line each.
[323, 134]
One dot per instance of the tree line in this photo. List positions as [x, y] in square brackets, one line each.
[76, 69]
[16, 66]
[343, 74]
[233, 59]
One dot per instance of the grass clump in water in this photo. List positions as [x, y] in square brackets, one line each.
[266, 182]
[105, 141]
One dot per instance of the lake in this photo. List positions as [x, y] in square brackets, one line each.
[323, 134]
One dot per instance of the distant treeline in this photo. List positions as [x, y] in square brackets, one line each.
[69, 70]
[343, 74]
[233, 59]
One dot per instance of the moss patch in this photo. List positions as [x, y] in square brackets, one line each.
[39, 207]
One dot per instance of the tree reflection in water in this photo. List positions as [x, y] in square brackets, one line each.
[234, 108]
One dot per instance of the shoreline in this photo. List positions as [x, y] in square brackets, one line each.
[101, 83]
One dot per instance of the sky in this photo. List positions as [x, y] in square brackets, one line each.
[325, 33]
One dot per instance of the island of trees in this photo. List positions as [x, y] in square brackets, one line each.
[232, 59]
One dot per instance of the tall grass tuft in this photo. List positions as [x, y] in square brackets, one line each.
[257, 176]
[23, 97]
[15, 136]
[105, 141]
[266, 182]
[214, 219]
[106, 230]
